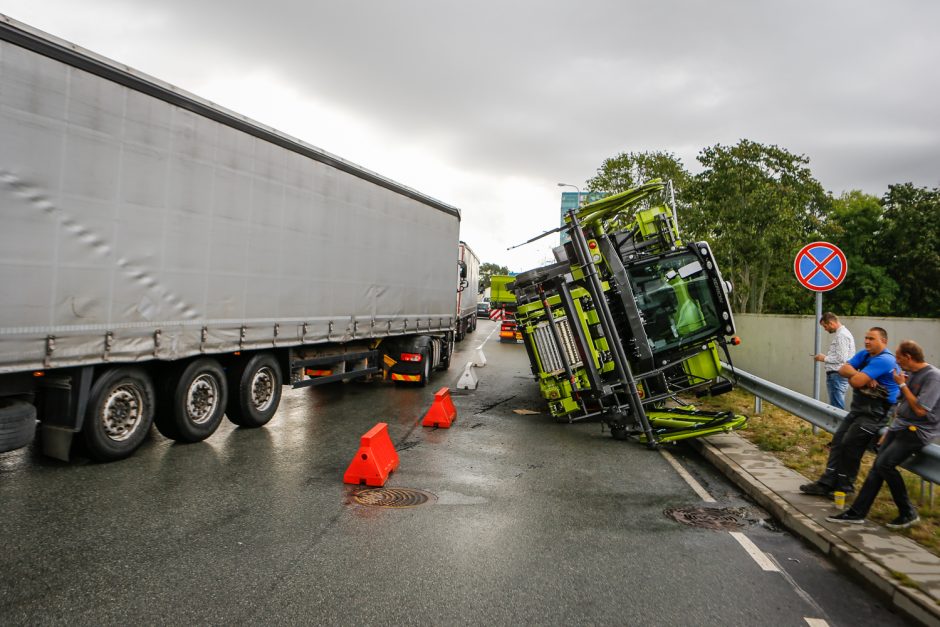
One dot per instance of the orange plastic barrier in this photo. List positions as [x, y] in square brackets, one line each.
[442, 412]
[375, 460]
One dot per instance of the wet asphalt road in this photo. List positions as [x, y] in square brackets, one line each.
[532, 522]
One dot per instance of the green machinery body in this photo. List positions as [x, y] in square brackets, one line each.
[628, 319]
[500, 294]
[504, 298]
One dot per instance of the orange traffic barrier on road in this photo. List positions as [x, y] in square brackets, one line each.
[375, 460]
[442, 412]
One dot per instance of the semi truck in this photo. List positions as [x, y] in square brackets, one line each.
[166, 261]
[468, 291]
[628, 320]
[503, 302]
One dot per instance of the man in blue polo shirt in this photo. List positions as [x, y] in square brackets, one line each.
[870, 373]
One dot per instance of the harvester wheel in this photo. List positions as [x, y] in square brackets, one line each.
[618, 431]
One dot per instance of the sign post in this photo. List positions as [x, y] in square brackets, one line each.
[819, 267]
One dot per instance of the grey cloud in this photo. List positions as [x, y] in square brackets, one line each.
[549, 89]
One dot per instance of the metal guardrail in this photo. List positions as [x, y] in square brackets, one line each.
[926, 463]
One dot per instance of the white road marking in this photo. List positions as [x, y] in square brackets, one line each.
[480, 347]
[703, 494]
[764, 560]
[756, 554]
[495, 329]
[803, 594]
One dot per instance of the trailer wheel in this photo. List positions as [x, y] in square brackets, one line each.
[119, 414]
[17, 424]
[193, 402]
[461, 329]
[473, 325]
[254, 391]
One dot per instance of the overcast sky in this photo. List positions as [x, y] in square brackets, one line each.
[487, 105]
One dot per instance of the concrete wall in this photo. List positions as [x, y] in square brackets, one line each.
[779, 348]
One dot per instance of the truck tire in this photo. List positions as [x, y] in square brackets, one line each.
[254, 391]
[425, 368]
[473, 325]
[17, 424]
[461, 329]
[448, 350]
[119, 414]
[193, 402]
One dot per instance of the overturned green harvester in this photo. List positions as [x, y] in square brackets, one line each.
[628, 319]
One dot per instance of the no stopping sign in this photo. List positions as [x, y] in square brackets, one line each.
[820, 266]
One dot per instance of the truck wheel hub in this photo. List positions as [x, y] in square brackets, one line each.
[121, 412]
[202, 398]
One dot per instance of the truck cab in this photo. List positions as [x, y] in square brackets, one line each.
[503, 299]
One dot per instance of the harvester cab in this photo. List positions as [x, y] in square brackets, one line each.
[629, 318]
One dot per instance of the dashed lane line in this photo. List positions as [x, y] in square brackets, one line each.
[756, 554]
[764, 560]
[695, 485]
[803, 594]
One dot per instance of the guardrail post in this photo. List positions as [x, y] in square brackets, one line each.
[757, 404]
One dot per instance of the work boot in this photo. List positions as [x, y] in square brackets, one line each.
[815, 489]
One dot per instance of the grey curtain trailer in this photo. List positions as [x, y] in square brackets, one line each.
[163, 258]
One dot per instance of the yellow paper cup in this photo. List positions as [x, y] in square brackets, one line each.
[839, 499]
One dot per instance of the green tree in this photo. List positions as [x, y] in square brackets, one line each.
[489, 269]
[630, 169]
[856, 225]
[756, 205]
[911, 248]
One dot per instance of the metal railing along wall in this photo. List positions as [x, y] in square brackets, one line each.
[926, 463]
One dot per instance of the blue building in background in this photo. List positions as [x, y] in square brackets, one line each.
[572, 200]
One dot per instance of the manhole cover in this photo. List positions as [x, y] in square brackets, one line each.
[392, 497]
[708, 517]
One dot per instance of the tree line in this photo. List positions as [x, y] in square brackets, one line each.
[757, 205]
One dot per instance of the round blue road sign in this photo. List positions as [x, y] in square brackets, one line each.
[820, 266]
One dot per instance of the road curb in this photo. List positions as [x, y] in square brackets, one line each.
[910, 602]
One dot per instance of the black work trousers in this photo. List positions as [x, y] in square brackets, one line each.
[897, 447]
[856, 433]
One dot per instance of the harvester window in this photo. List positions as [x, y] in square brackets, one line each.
[677, 305]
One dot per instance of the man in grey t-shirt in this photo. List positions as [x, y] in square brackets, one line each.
[840, 351]
[915, 424]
